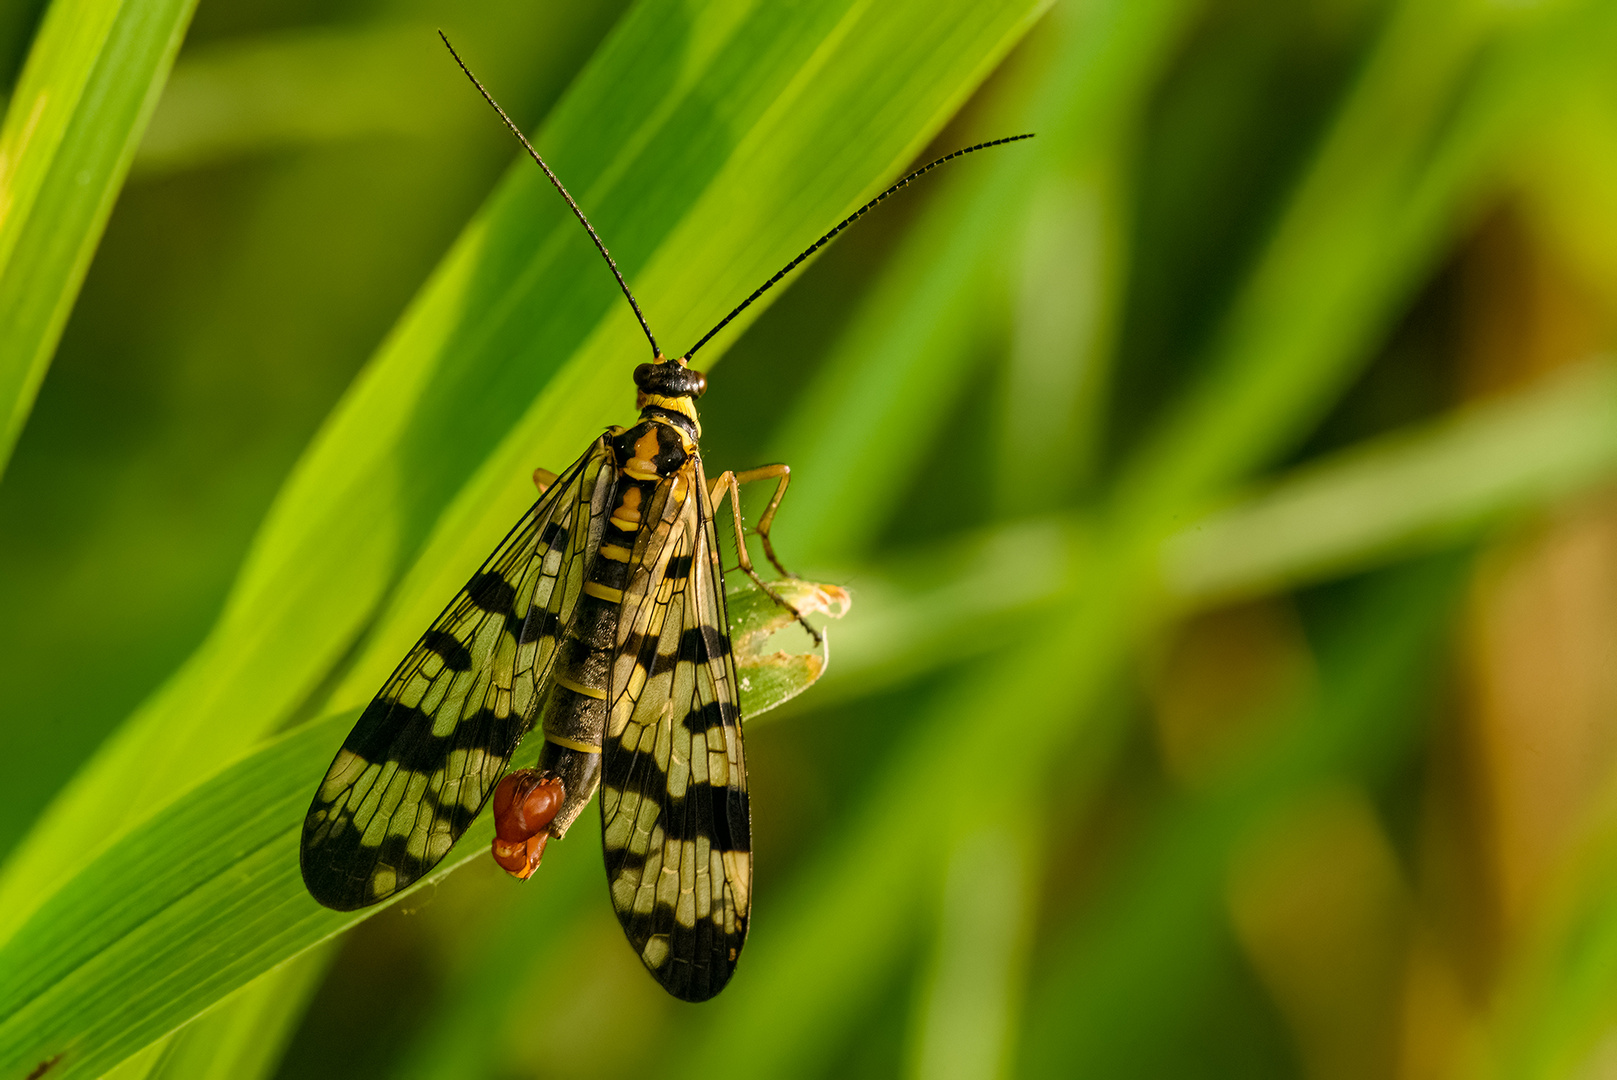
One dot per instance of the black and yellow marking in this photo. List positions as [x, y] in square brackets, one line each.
[601, 618]
[428, 751]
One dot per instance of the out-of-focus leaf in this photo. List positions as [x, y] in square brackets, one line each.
[236, 97]
[1553, 1018]
[1408, 152]
[905, 360]
[708, 145]
[1406, 492]
[70, 130]
[1447, 91]
[1130, 965]
[933, 608]
[1415, 490]
[970, 1009]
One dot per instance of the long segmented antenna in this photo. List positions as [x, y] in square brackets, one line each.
[605, 254]
[843, 224]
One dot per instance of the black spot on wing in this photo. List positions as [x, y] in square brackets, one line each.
[456, 657]
[703, 644]
[392, 852]
[542, 623]
[711, 715]
[679, 567]
[727, 810]
[490, 592]
[390, 732]
[693, 645]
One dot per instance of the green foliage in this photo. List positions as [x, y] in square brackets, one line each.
[71, 127]
[1040, 413]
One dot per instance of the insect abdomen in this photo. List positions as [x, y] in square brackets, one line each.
[575, 715]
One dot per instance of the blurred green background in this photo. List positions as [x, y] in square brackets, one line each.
[1223, 480]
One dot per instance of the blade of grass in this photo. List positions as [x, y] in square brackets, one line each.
[240, 1038]
[1409, 491]
[80, 106]
[904, 360]
[1448, 89]
[239, 96]
[704, 143]
[209, 898]
[206, 901]
[969, 1004]
[1430, 487]
[243, 1037]
[1554, 1011]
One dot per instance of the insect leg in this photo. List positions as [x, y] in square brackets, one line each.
[783, 473]
[728, 483]
[543, 478]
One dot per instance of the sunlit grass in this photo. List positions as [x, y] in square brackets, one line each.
[1162, 597]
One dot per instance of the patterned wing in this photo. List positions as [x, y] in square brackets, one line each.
[675, 820]
[429, 749]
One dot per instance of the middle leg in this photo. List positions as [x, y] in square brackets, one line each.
[727, 483]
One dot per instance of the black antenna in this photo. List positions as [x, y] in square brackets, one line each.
[656, 352]
[843, 224]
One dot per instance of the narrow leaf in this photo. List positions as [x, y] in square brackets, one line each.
[89, 85]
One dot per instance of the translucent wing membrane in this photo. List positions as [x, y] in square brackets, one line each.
[428, 751]
[675, 821]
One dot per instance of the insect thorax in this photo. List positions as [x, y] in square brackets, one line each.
[655, 448]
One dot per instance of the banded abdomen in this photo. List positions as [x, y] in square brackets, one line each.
[532, 805]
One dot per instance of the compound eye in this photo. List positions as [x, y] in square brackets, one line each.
[700, 386]
[641, 374]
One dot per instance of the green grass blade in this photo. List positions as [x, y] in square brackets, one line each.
[708, 146]
[1554, 1012]
[969, 1009]
[904, 361]
[243, 1037]
[1450, 87]
[206, 902]
[1406, 492]
[91, 81]
[1412, 491]
[209, 897]
[293, 89]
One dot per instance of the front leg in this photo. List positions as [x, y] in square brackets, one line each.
[728, 483]
[542, 479]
